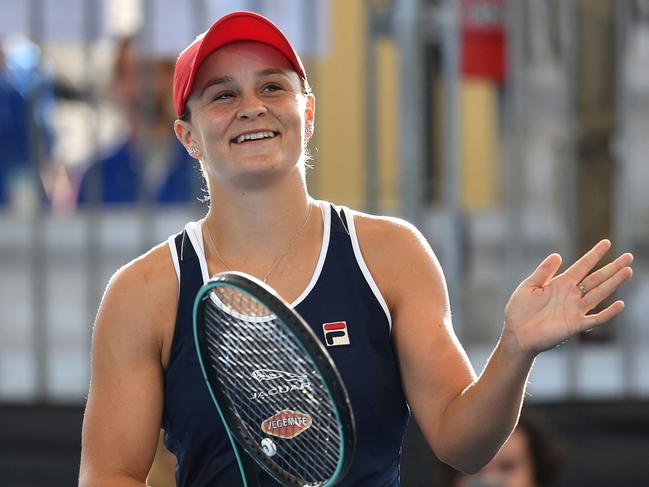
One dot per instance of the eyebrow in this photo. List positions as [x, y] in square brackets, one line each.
[215, 82]
[269, 71]
[229, 79]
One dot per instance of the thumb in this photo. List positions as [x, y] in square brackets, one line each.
[545, 271]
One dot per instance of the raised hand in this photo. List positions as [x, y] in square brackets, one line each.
[545, 310]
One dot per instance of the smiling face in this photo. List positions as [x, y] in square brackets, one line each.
[248, 114]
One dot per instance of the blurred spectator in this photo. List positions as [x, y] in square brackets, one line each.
[13, 130]
[26, 99]
[149, 164]
[531, 457]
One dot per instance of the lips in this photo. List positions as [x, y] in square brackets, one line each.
[252, 136]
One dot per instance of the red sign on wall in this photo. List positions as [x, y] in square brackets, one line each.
[483, 39]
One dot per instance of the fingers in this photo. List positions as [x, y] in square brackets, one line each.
[585, 264]
[603, 316]
[595, 296]
[597, 278]
[545, 271]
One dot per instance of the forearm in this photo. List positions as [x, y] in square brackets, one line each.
[476, 424]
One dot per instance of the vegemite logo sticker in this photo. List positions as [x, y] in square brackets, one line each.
[286, 424]
[336, 333]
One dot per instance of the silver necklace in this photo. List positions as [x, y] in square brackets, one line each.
[277, 261]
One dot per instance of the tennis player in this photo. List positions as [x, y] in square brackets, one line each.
[370, 287]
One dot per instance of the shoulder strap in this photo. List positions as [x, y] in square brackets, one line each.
[184, 247]
[338, 220]
[190, 268]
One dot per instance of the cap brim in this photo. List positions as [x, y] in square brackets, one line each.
[237, 27]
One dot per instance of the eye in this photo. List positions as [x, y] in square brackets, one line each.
[223, 95]
[271, 87]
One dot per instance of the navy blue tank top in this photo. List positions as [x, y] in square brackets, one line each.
[341, 292]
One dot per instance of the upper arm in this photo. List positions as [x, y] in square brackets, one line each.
[434, 367]
[124, 408]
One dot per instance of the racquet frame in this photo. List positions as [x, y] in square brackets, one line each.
[306, 339]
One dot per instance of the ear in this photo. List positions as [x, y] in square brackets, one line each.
[309, 116]
[183, 131]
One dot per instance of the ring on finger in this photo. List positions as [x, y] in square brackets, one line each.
[582, 289]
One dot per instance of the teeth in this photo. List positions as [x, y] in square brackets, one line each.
[266, 134]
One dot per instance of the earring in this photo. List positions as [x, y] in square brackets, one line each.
[193, 149]
[308, 129]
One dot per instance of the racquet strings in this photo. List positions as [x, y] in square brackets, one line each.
[261, 371]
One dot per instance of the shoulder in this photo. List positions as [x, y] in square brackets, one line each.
[150, 274]
[140, 301]
[380, 226]
[395, 252]
[396, 239]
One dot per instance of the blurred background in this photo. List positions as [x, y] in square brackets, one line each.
[504, 129]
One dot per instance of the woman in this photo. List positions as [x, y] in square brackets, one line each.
[245, 112]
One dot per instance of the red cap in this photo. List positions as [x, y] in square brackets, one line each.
[233, 27]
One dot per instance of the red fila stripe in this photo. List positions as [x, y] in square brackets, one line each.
[339, 325]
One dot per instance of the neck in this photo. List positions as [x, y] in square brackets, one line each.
[239, 219]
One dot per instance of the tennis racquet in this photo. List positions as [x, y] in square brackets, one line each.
[274, 385]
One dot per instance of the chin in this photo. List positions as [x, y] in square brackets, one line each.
[262, 176]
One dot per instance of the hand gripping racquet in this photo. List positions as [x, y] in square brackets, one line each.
[274, 385]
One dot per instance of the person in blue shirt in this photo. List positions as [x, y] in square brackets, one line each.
[26, 137]
[149, 164]
[118, 177]
[14, 141]
[245, 112]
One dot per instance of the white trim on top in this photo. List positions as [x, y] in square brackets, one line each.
[195, 233]
[325, 209]
[349, 216]
[194, 230]
[171, 241]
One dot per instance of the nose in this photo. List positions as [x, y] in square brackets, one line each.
[250, 107]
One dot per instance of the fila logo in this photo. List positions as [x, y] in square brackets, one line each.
[336, 333]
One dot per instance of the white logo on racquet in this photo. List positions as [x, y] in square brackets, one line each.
[282, 382]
